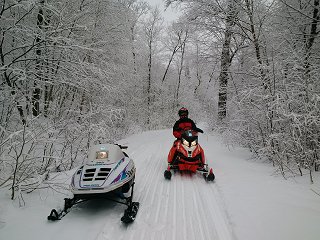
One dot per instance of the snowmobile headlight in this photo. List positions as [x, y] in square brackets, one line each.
[185, 142]
[102, 155]
[193, 143]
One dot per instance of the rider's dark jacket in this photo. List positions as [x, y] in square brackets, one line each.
[183, 124]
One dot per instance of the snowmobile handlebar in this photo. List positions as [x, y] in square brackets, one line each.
[199, 130]
[121, 146]
[196, 130]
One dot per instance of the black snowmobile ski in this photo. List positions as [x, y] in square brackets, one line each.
[130, 213]
[59, 214]
[128, 217]
[207, 174]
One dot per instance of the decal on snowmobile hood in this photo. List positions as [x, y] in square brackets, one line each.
[121, 176]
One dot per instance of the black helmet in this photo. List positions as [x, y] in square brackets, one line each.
[183, 112]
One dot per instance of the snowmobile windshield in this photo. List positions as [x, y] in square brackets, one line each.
[190, 135]
[190, 138]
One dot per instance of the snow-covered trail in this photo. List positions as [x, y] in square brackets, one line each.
[247, 201]
[186, 208]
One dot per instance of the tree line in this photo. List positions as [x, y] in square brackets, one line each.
[267, 75]
[73, 72]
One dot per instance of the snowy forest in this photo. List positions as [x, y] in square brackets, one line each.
[77, 71]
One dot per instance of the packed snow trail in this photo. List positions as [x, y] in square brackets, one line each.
[245, 202]
[186, 207]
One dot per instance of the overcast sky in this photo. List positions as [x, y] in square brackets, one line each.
[169, 15]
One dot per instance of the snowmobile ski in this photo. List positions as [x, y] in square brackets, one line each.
[167, 173]
[130, 213]
[59, 214]
[207, 174]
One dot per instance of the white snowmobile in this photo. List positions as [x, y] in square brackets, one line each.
[108, 173]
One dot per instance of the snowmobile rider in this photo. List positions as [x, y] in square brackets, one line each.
[184, 123]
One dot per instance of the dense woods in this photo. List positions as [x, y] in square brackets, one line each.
[74, 72]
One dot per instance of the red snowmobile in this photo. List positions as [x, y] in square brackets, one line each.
[188, 157]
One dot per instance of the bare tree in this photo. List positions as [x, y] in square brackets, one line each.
[181, 63]
[62, 59]
[175, 34]
[152, 29]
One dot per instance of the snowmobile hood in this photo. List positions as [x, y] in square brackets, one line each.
[104, 154]
[107, 169]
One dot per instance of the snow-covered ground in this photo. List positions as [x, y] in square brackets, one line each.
[247, 201]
